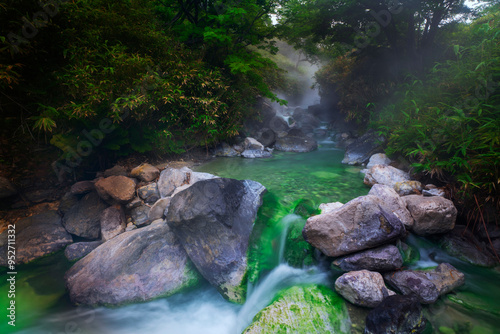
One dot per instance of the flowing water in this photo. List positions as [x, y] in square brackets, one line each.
[296, 183]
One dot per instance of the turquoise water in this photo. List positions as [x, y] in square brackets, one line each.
[297, 183]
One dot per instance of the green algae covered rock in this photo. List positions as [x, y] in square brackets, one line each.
[303, 309]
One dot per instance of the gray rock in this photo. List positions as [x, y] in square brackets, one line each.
[252, 154]
[145, 172]
[266, 137]
[135, 203]
[378, 159]
[83, 219]
[278, 124]
[35, 237]
[174, 180]
[135, 266]
[149, 193]
[431, 215]
[112, 222]
[140, 215]
[433, 192]
[362, 288]
[82, 187]
[213, 220]
[253, 144]
[464, 245]
[384, 258]
[225, 150]
[426, 285]
[116, 189]
[159, 208]
[388, 175]
[295, 144]
[7, 189]
[363, 148]
[41, 195]
[67, 202]
[358, 225]
[79, 250]
[393, 202]
[408, 187]
[396, 314]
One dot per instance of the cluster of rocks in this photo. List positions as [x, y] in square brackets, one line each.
[364, 238]
[146, 234]
[292, 133]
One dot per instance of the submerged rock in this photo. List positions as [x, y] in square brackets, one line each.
[35, 237]
[358, 225]
[426, 285]
[384, 258]
[135, 266]
[213, 220]
[303, 309]
[396, 314]
[432, 215]
[363, 288]
[83, 219]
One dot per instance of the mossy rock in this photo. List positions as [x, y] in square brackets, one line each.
[298, 252]
[305, 208]
[303, 309]
[409, 254]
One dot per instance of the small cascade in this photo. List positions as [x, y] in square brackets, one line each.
[281, 277]
[285, 223]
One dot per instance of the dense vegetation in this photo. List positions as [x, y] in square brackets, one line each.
[104, 78]
[97, 77]
[423, 73]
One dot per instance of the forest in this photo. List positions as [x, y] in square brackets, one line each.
[162, 77]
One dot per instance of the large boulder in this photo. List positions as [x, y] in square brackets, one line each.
[383, 258]
[363, 148]
[396, 314]
[35, 237]
[266, 137]
[362, 288]
[145, 172]
[6, 188]
[174, 180]
[213, 220]
[393, 202]
[83, 219]
[116, 189]
[135, 266]
[431, 215]
[358, 225]
[303, 309]
[427, 285]
[295, 144]
[252, 144]
[388, 175]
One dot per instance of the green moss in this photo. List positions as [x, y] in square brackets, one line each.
[303, 309]
[298, 252]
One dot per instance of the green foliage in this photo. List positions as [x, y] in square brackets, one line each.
[449, 123]
[169, 75]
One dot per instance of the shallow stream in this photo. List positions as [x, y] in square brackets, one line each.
[295, 182]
